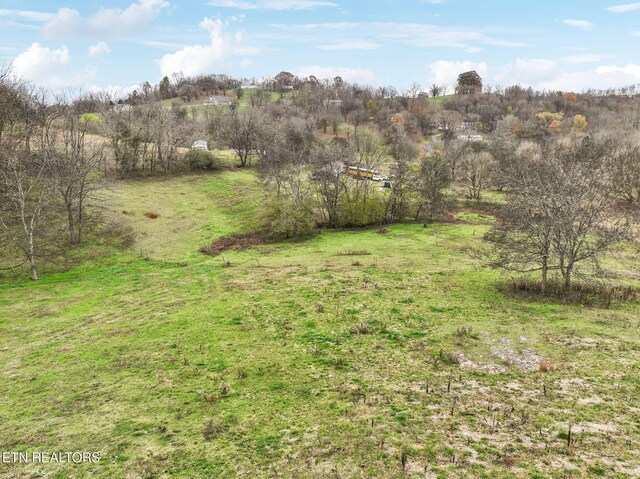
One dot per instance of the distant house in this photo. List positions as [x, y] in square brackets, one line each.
[122, 107]
[218, 100]
[200, 145]
[470, 138]
[333, 103]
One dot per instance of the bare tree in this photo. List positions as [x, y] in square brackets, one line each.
[329, 180]
[25, 193]
[625, 171]
[433, 180]
[559, 214]
[75, 167]
[239, 130]
[474, 172]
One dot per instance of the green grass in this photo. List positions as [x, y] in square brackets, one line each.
[440, 99]
[327, 356]
[193, 209]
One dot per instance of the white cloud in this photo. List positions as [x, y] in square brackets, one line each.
[111, 22]
[540, 74]
[411, 34]
[627, 7]
[271, 4]
[50, 68]
[318, 26]
[446, 72]
[351, 75]
[99, 49]
[349, 45]
[196, 59]
[584, 24]
[601, 78]
[533, 70]
[585, 58]
[37, 63]
[28, 15]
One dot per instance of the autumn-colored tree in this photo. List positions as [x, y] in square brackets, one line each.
[397, 119]
[579, 123]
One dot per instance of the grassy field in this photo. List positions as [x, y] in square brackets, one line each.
[352, 354]
[440, 99]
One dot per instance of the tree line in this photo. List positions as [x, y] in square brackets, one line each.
[566, 164]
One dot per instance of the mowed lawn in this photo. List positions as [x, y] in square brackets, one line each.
[351, 354]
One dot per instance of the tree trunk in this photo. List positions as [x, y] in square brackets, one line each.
[545, 273]
[80, 222]
[72, 227]
[32, 259]
[567, 276]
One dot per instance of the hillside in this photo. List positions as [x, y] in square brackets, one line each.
[360, 353]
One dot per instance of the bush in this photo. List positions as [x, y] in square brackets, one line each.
[285, 219]
[202, 160]
[587, 294]
[354, 211]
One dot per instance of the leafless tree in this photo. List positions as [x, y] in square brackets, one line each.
[433, 180]
[25, 195]
[329, 180]
[76, 167]
[474, 171]
[239, 130]
[559, 215]
[625, 171]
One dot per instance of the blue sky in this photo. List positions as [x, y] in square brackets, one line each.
[119, 44]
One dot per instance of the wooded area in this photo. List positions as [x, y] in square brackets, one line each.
[567, 164]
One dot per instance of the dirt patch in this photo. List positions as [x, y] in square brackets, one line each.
[526, 361]
[466, 363]
[502, 349]
[236, 242]
[594, 427]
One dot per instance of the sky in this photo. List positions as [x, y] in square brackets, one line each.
[119, 44]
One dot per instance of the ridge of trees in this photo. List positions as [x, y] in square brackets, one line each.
[566, 161]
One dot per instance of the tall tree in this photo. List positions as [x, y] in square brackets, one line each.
[239, 130]
[559, 214]
[469, 83]
[25, 196]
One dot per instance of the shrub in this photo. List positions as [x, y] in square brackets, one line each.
[360, 328]
[355, 211]
[212, 429]
[286, 219]
[202, 160]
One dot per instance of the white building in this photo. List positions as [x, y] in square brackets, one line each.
[218, 100]
[200, 145]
